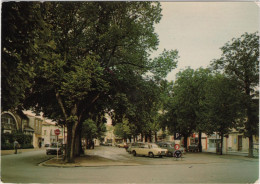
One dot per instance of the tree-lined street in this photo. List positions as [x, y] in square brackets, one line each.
[81, 64]
[195, 168]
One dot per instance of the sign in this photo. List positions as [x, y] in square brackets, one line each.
[177, 136]
[177, 146]
[57, 132]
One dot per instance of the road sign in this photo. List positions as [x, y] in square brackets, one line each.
[57, 132]
[177, 136]
[177, 146]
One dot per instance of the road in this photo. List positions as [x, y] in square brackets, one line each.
[23, 168]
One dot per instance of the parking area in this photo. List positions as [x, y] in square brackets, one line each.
[110, 155]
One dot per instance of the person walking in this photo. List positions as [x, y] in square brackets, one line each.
[16, 146]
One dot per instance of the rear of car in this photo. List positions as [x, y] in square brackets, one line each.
[53, 149]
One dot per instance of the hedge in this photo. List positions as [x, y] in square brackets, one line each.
[7, 140]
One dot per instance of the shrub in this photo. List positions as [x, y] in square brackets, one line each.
[7, 146]
[7, 140]
[26, 146]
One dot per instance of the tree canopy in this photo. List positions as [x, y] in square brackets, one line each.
[240, 61]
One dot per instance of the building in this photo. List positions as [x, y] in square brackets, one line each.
[34, 123]
[48, 135]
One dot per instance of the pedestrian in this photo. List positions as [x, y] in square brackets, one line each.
[16, 146]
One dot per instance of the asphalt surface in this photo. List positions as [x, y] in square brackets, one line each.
[207, 168]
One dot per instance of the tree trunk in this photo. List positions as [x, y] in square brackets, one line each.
[78, 144]
[250, 151]
[150, 135]
[69, 156]
[155, 136]
[185, 141]
[221, 144]
[249, 124]
[200, 145]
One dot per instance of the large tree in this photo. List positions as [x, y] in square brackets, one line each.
[96, 44]
[239, 60]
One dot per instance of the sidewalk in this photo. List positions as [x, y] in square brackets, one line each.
[11, 152]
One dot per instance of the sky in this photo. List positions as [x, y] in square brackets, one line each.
[199, 29]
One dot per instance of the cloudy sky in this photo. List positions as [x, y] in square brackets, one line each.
[198, 29]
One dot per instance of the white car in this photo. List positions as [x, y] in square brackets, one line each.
[149, 149]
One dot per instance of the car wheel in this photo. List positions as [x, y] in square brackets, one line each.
[134, 153]
[151, 155]
[160, 156]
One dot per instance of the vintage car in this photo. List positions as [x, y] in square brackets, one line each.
[52, 150]
[170, 147]
[149, 149]
[132, 146]
[122, 145]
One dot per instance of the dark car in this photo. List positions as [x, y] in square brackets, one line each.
[170, 147]
[52, 150]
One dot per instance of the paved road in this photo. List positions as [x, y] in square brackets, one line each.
[23, 168]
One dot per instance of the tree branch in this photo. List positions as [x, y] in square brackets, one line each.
[61, 104]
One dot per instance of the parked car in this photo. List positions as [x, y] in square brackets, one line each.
[47, 145]
[106, 144]
[121, 145]
[132, 146]
[52, 150]
[170, 147]
[149, 149]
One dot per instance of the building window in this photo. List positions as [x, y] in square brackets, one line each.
[45, 132]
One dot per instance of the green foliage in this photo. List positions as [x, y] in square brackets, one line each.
[165, 63]
[91, 130]
[20, 25]
[83, 55]
[240, 61]
[223, 102]
[123, 130]
[7, 140]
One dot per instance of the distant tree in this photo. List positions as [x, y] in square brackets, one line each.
[223, 103]
[122, 130]
[240, 61]
[181, 115]
[185, 110]
[90, 130]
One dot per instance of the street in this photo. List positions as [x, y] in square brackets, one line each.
[195, 168]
